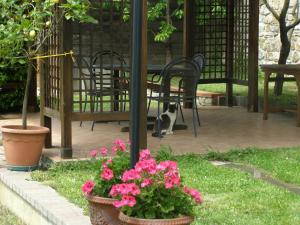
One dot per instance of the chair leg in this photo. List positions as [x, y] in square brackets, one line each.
[148, 107]
[97, 105]
[84, 108]
[197, 113]
[194, 122]
[181, 112]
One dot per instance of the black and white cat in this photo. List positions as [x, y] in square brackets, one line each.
[167, 120]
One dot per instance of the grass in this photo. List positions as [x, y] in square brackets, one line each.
[231, 197]
[282, 163]
[7, 218]
[287, 99]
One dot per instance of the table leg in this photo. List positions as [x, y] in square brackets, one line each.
[298, 100]
[266, 95]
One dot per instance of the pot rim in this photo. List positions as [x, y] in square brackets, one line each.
[173, 221]
[17, 129]
[99, 199]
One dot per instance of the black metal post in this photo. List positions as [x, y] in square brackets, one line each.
[136, 80]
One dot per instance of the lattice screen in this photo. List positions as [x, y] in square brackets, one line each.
[52, 70]
[103, 88]
[241, 41]
[210, 35]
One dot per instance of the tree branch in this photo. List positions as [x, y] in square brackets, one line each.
[295, 13]
[285, 9]
[275, 14]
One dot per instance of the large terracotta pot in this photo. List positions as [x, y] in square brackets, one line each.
[184, 220]
[23, 148]
[102, 211]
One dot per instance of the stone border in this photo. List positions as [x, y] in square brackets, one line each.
[35, 203]
[260, 174]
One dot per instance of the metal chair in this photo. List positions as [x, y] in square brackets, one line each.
[183, 74]
[110, 79]
[200, 61]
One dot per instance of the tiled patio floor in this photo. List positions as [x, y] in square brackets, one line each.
[222, 129]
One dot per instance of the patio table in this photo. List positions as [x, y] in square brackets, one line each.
[151, 69]
[289, 69]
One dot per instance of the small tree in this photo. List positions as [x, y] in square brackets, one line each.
[286, 32]
[165, 12]
[25, 27]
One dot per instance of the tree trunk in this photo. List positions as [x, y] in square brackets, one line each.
[168, 43]
[26, 95]
[284, 54]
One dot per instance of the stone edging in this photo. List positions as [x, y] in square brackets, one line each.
[40, 204]
[260, 174]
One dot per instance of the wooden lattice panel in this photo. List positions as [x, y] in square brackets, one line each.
[52, 72]
[241, 41]
[210, 37]
[102, 87]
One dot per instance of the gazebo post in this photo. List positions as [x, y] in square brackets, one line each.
[229, 53]
[188, 23]
[138, 106]
[66, 91]
[253, 55]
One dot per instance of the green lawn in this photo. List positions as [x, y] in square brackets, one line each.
[231, 197]
[287, 99]
[7, 218]
[283, 164]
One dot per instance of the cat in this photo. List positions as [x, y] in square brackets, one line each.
[167, 120]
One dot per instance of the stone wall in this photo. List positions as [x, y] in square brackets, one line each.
[269, 35]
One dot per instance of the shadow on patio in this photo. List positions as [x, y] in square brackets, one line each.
[222, 129]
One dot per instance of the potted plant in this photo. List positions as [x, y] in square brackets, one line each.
[109, 173]
[152, 193]
[24, 28]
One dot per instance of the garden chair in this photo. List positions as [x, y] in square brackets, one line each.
[183, 74]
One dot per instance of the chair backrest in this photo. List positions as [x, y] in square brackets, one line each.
[105, 63]
[200, 61]
[181, 76]
[84, 74]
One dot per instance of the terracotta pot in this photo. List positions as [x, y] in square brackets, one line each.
[184, 220]
[102, 211]
[23, 148]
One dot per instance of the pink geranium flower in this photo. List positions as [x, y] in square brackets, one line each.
[88, 186]
[172, 179]
[195, 194]
[130, 175]
[148, 165]
[145, 154]
[103, 151]
[124, 189]
[106, 163]
[93, 153]
[126, 200]
[146, 182]
[107, 174]
[119, 144]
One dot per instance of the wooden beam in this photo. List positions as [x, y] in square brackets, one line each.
[229, 52]
[66, 90]
[253, 55]
[44, 120]
[188, 22]
[108, 116]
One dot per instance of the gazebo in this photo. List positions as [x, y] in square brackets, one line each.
[228, 39]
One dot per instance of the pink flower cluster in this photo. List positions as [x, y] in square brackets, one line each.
[119, 145]
[125, 189]
[195, 194]
[107, 174]
[126, 200]
[87, 187]
[146, 173]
